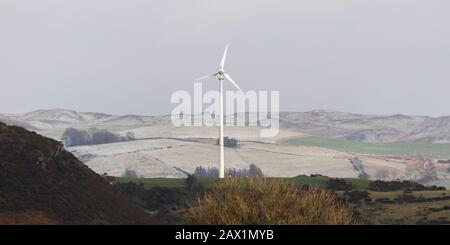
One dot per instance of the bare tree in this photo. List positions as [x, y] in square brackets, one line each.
[421, 169]
[130, 135]
[129, 173]
[382, 174]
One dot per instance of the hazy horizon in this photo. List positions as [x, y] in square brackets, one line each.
[116, 57]
[282, 111]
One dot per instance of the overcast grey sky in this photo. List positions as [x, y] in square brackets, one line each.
[128, 57]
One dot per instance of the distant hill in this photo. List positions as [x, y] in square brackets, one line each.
[128, 120]
[368, 128]
[62, 118]
[41, 183]
[334, 124]
[10, 121]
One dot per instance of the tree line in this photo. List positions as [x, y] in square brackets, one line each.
[251, 171]
[92, 136]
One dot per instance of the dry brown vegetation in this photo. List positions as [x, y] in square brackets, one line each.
[40, 182]
[267, 201]
[29, 217]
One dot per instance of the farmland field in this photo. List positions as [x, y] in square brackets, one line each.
[435, 150]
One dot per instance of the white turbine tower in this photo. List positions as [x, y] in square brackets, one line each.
[221, 75]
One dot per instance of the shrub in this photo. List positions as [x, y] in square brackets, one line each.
[74, 137]
[93, 136]
[261, 201]
[228, 142]
[339, 184]
[156, 198]
[102, 137]
[379, 185]
[190, 182]
[355, 196]
[408, 198]
[130, 188]
[163, 197]
[130, 135]
[443, 161]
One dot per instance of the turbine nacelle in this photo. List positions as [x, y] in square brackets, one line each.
[220, 74]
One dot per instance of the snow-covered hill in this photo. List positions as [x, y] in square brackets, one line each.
[357, 127]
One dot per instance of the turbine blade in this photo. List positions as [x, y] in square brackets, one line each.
[205, 77]
[231, 81]
[222, 62]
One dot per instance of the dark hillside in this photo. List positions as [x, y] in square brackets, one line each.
[42, 183]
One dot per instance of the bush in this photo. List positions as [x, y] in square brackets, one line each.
[190, 182]
[357, 196]
[379, 185]
[156, 198]
[339, 184]
[443, 161]
[408, 198]
[130, 136]
[74, 137]
[130, 188]
[163, 197]
[228, 142]
[260, 201]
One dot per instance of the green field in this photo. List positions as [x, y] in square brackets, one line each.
[318, 181]
[162, 182]
[435, 150]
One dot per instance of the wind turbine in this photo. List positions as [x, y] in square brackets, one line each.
[221, 75]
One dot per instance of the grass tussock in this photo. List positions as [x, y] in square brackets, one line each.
[249, 201]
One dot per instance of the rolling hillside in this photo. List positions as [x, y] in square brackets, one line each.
[336, 144]
[435, 150]
[368, 128]
[41, 183]
[333, 124]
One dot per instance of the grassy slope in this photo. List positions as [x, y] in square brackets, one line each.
[437, 150]
[40, 181]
